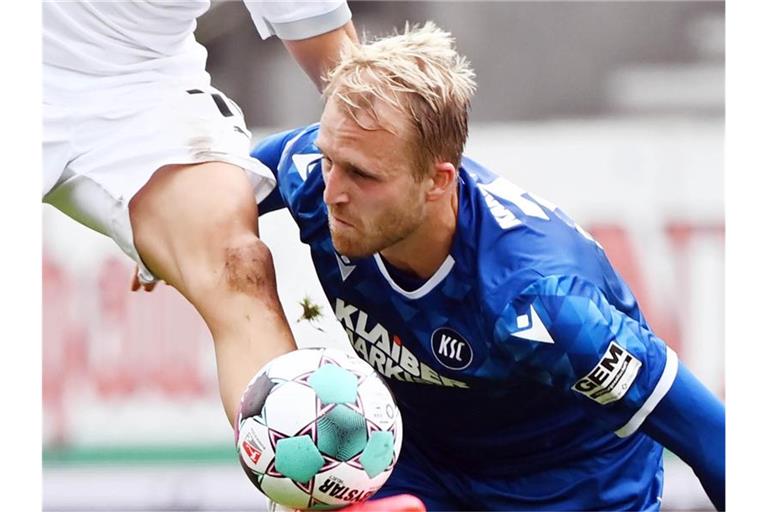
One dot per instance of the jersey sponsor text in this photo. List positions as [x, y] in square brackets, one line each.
[611, 378]
[385, 352]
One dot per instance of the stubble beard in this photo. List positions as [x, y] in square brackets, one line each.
[392, 228]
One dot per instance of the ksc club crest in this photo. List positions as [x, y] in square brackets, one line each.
[451, 349]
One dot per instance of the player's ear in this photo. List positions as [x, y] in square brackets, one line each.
[441, 181]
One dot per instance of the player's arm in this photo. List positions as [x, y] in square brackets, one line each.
[318, 54]
[690, 421]
[314, 33]
[623, 374]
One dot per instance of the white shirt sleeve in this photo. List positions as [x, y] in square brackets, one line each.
[291, 20]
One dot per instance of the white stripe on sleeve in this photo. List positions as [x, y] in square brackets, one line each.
[665, 382]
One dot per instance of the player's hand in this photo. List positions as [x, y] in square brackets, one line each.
[136, 285]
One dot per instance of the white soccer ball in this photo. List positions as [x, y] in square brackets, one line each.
[318, 429]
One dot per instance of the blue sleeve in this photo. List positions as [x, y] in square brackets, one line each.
[269, 151]
[690, 422]
[564, 333]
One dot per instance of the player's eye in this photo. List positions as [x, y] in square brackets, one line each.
[358, 173]
[326, 164]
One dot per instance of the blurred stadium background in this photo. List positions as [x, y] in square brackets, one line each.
[612, 110]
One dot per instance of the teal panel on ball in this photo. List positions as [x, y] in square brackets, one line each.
[341, 433]
[298, 458]
[334, 385]
[378, 453]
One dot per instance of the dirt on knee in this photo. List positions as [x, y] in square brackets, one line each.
[249, 269]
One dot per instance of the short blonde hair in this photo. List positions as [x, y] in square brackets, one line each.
[420, 74]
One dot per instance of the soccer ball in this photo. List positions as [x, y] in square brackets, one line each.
[318, 429]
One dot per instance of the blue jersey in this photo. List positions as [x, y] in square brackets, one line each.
[524, 356]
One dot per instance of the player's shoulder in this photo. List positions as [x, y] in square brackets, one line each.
[300, 156]
[294, 159]
[513, 231]
[302, 139]
[299, 140]
[277, 150]
[523, 248]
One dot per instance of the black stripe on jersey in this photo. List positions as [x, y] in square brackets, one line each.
[223, 108]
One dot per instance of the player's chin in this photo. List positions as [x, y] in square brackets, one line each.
[349, 246]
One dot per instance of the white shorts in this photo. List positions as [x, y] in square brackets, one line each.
[99, 151]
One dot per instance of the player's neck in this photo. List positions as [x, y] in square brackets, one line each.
[425, 250]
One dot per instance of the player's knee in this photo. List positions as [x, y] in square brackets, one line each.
[187, 227]
[194, 202]
[240, 265]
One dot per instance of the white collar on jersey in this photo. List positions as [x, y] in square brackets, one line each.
[424, 289]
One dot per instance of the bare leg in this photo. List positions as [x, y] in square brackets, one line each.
[196, 228]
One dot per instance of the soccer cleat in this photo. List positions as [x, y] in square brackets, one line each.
[399, 503]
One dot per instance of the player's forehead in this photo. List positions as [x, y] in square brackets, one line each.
[375, 134]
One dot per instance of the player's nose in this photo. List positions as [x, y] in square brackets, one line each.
[335, 189]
